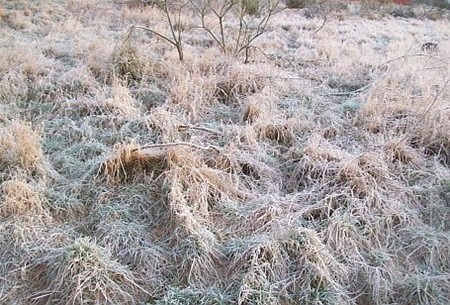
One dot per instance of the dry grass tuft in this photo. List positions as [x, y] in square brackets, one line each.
[197, 253]
[127, 63]
[282, 133]
[117, 102]
[363, 175]
[22, 242]
[315, 163]
[344, 235]
[20, 148]
[20, 198]
[131, 244]
[351, 174]
[319, 149]
[13, 87]
[293, 267]
[251, 113]
[193, 183]
[432, 136]
[373, 165]
[101, 60]
[427, 246]
[401, 152]
[2, 13]
[238, 81]
[423, 289]
[194, 245]
[192, 90]
[129, 163]
[195, 193]
[81, 272]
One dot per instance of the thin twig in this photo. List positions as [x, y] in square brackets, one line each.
[163, 145]
[185, 127]
[175, 29]
[155, 33]
[351, 92]
[412, 55]
[323, 24]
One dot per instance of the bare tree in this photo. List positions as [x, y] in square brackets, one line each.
[253, 17]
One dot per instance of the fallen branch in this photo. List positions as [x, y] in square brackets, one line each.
[186, 127]
[163, 145]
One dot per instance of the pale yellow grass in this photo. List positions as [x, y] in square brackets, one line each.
[20, 198]
[20, 148]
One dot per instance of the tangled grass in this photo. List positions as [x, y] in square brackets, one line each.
[316, 173]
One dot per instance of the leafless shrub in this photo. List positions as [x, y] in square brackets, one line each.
[253, 17]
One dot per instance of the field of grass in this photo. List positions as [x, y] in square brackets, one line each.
[316, 173]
